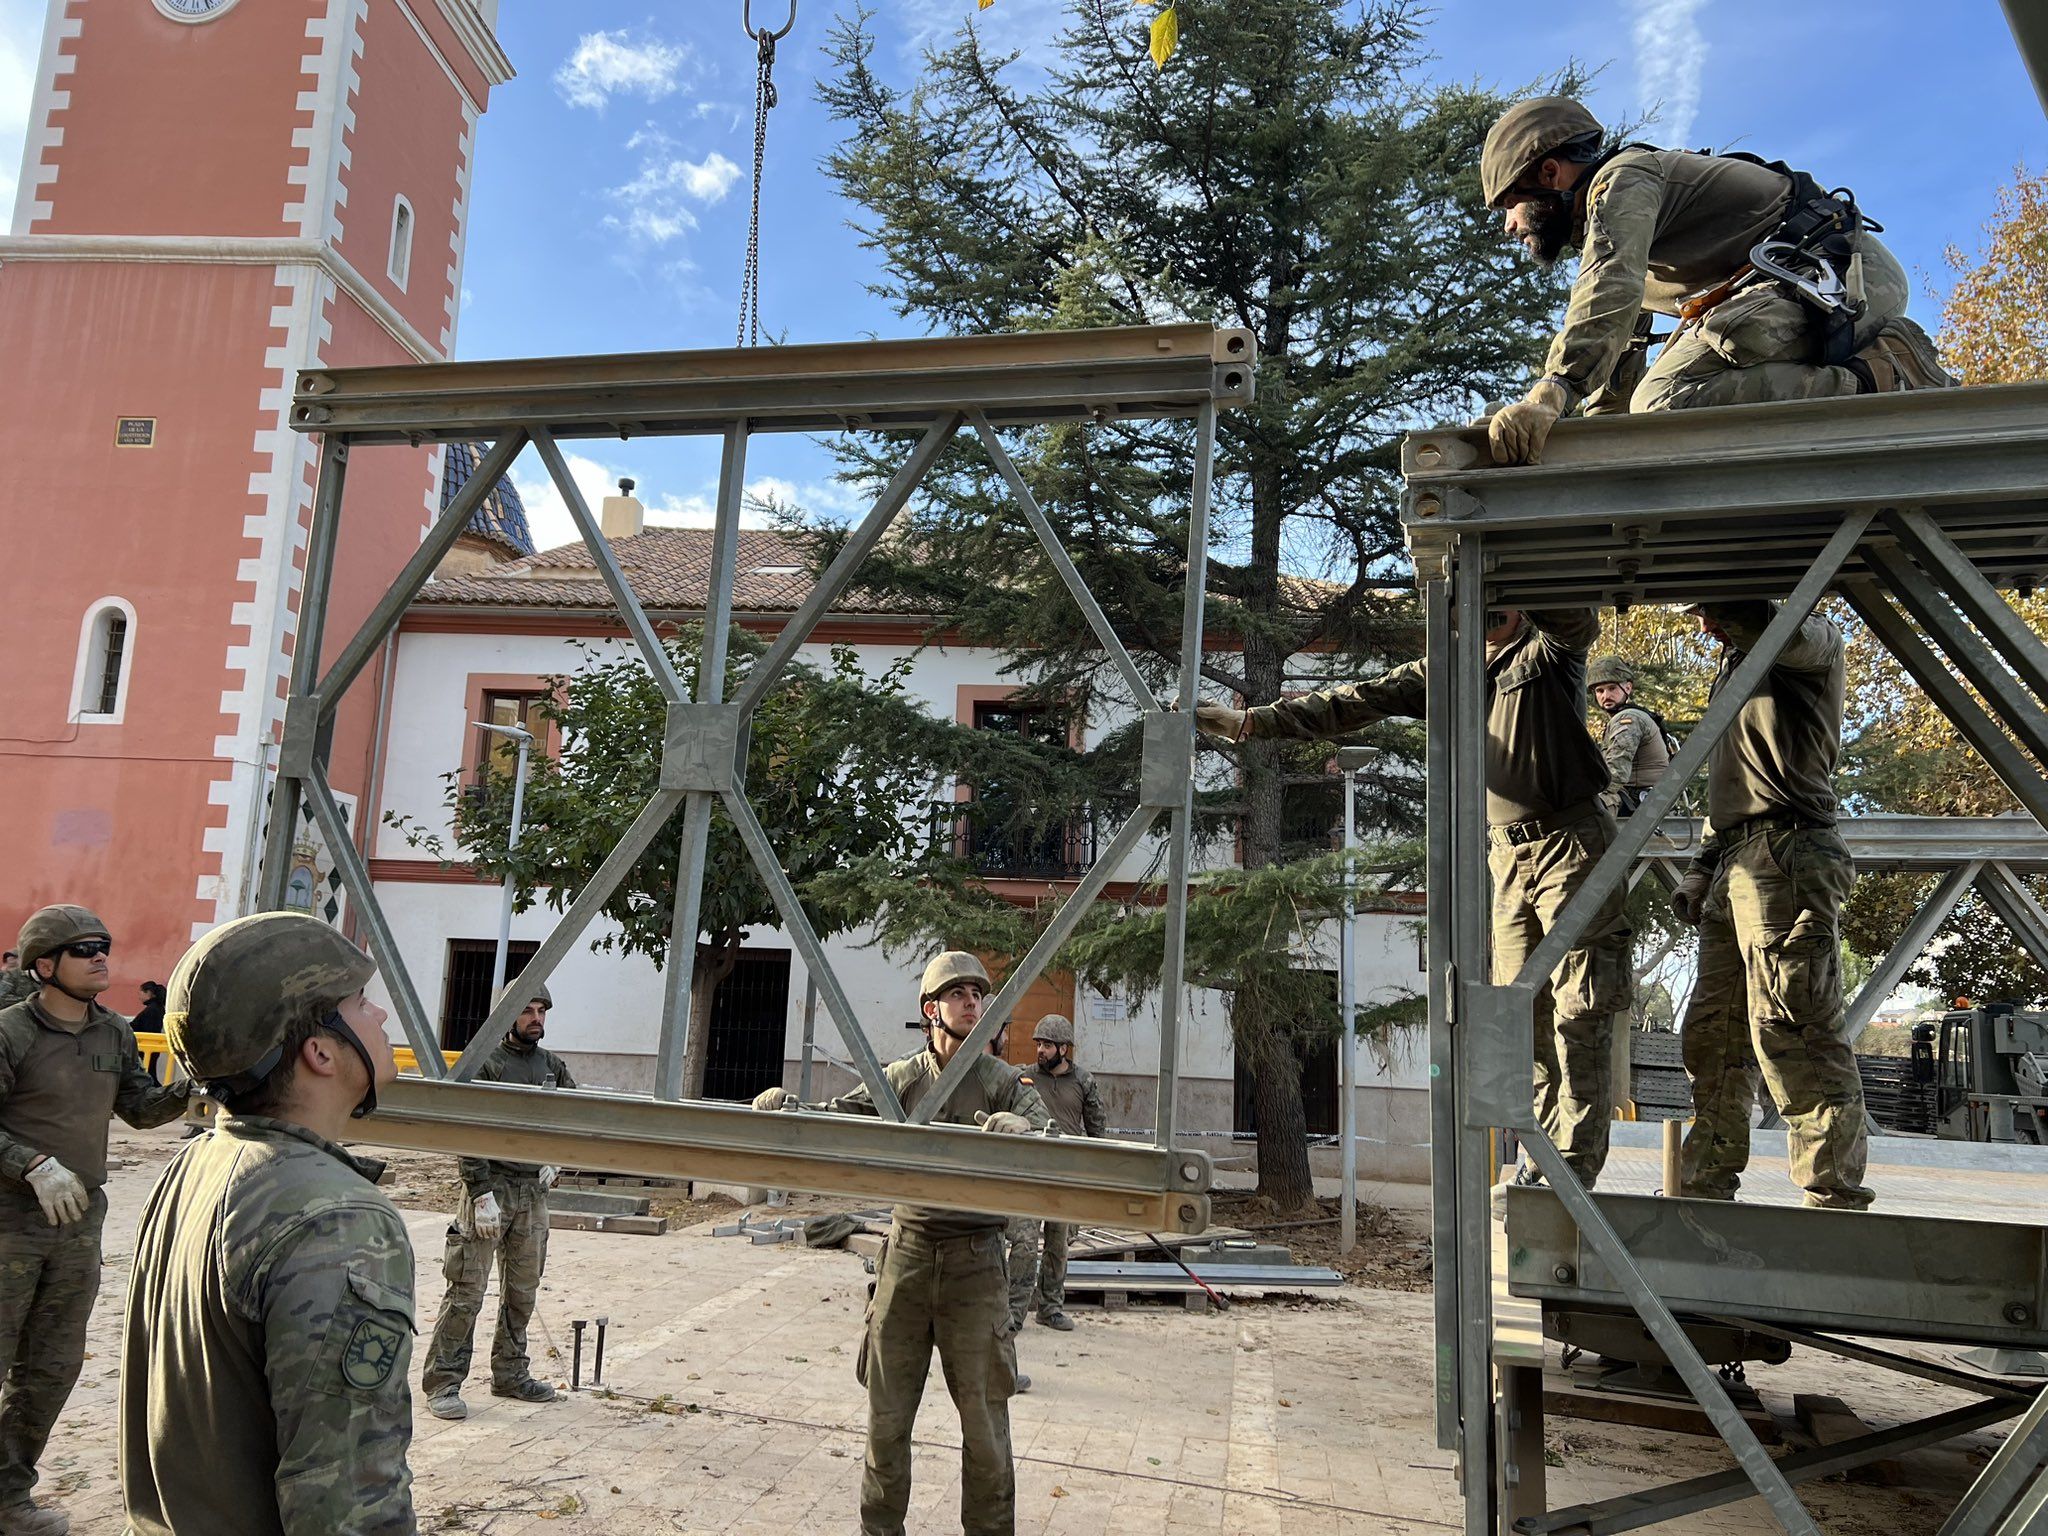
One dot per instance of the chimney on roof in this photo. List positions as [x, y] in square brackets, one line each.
[623, 516]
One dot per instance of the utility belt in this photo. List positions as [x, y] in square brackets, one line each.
[1812, 256]
[1775, 821]
[1534, 828]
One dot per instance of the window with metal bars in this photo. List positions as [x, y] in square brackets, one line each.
[99, 694]
[466, 993]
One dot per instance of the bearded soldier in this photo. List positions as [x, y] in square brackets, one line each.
[503, 1217]
[263, 1375]
[1780, 288]
[1633, 741]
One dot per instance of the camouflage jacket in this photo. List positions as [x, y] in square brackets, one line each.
[58, 1086]
[269, 1328]
[532, 1067]
[990, 1086]
[1779, 756]
[1539, 758]
[1072, 1099]
[1634, 747]
[16, 987]
[1659, 225]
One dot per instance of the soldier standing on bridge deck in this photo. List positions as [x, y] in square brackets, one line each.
[1672, 232]
[941, 1281]
[66, 1065]
[1766, 890]
[1546, 831]
[504, 1216]
[1634, 743]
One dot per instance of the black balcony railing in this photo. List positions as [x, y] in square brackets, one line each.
[1058, 852]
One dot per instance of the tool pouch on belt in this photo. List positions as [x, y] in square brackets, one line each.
[867, 1326]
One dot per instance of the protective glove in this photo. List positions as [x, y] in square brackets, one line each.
[1003, 1123]
[1519, 432]
[775, 1098]
[1691, 896]
[486, 1219]
[1220, 720]
[64, 1199]
[550, 1176]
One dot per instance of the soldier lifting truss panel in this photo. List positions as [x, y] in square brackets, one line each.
[1920, 510]
[934, 388]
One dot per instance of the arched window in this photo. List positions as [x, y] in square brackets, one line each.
[400, 265]
[105, 654]
[106, 651]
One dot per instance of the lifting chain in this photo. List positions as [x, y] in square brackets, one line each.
[764, 99]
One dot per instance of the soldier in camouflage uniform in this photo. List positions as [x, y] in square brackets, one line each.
[1020, 1233]
[1546, 831]
[1633, 740]
[1766, 889]
[270, 1323]
[504, 1212]
[16, 984]
[66, 1065]
[1655, 229]
[1075, 1104]
[940, 1281]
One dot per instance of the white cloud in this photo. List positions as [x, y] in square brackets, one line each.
[21, 34]
[656, 206]
[1671, 55]
[607, 64]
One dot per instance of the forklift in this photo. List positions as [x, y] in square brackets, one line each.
[1982, 1074]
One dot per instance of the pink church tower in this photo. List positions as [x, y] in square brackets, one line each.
[215, 194]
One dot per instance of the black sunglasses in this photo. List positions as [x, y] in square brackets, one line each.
[89, 949]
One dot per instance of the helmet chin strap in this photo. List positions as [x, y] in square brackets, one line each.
[336, 1025]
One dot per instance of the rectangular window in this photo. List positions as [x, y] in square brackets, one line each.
[521, 707]
[1061, 851]
[400, 265]
[749, 1026]
[1319, 1086]
[466, 993]
[113, 640]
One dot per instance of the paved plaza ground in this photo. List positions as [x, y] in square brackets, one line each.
[735, 1408]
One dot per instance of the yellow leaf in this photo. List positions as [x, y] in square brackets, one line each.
[1165, 36]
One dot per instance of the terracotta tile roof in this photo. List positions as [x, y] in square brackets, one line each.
[670, 568]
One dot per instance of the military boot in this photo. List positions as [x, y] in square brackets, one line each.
[448, 1405]
[1901, 356]
[1056, 1319]
[527, 1391]
[29, 1518]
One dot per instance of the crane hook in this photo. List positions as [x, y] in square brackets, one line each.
[747, 21]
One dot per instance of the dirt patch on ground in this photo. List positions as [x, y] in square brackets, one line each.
[1393, 1251]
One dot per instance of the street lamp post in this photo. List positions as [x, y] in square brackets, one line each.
[1350, 762]
[525, 740]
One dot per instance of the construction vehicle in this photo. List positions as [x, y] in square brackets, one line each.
[1984, 1074]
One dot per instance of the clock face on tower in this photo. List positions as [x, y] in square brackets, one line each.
[193, 10]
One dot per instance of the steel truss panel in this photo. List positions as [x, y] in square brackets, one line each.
[1132, 372]
[1868, 1273]
[1665, 506]
[1901, 844]
[938, 386]
[1095, 1183]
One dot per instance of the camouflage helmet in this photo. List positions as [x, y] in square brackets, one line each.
[53, 928]
[1524, 134]
[1609, 669]
[1055, 1029]
[954, 965]
[236, 992]
[537, 992]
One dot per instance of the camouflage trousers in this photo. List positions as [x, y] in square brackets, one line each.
[946, 1294]
[1575, 1008]
[1037, 1270]
[1755, 346]
[1769, 1001]
[522, 1253]
[49, 1278]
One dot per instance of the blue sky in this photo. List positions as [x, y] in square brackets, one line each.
[610, 199]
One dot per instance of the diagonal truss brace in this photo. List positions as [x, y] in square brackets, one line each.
[1909, 946]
